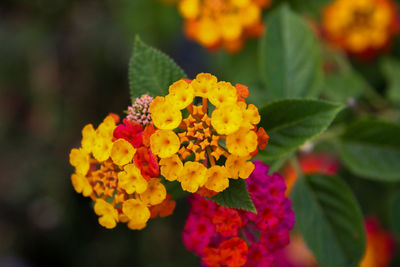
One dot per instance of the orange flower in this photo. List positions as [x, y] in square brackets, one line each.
[361, 27]
[222, 23]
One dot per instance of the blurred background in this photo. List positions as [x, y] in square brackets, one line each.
[63, 64]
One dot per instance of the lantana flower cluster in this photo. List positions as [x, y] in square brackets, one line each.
[216, 139]
[361, 27]
[116, 168]
[227, 23]
[227, 237]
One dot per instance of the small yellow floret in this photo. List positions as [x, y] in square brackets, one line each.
[193, 176]
[227, 119]
[203, 84]
[217, 178]
[137, 213]
[181, 94]
[108, 214]
[102, 148]
[88, 138]
[106, 128]
[239, 167]
[164, 143]
[242, 142]
[225, 93]
[164, 115]
[122, 152]
[155, 193]
[79, 158]
[81, 184]
[171, 167]
[131, 180]
[189, 8]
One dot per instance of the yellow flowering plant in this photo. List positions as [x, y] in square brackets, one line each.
[214, 142]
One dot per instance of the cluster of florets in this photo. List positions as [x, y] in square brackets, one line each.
[139, 111]
[116, 168]
[227, 237]
[227, 23]
[206, 148]
[361, 27]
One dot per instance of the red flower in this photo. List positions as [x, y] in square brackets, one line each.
[131, 132]
[146, 162]
[233, 252]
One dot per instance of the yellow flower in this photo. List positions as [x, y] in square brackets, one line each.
[155, 193]
[181, 94]
[242, 142]
[106, 128]
[133, 226]
[81, 184]
[164, 143]
[251, 115]
[239, 167]
[122, 152]
[193, 176]
[224, 94]
[203, 84]
[80, 160]
[108, 214]
[231, 29]
[227, 119]
[131, 180]
[217, 178]
[88, 138]
[171, 167]
[137, 213]
[102, 148]
[189, 8]
[164, 115]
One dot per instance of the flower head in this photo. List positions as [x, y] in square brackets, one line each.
[116, 168]
[206, 148]
[361, 27]
[227, 237]
[139, 111]
[222, 23]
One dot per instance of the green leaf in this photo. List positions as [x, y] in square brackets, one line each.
[235, 196]
[290, 57]
[344, 86]
[395, 214]
[391, 70]
[151, 71]
[371, 149]
[329, 219]
[291, 122]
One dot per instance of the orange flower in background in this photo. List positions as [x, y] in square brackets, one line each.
[311, 163]
[226, 23]
[379, 251]
[361, 27]
[380, 245]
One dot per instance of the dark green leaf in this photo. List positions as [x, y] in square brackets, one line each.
[290, 57]
[235, 196]
[151, 71]
[330, 220]
[291, 122]
[391, 70]
[371, 149]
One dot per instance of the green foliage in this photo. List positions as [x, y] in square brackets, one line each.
[291, 122]
[290, 57]
[235, 196]
[330, 220]
[395, 214]
[344, 86]
[371, 149]
[391, 70]
[151, 71]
